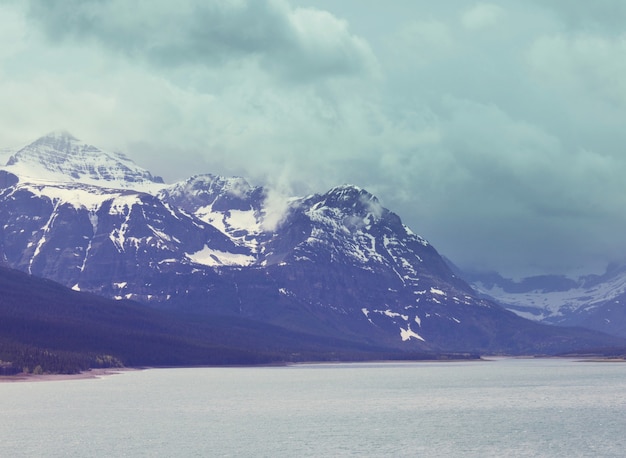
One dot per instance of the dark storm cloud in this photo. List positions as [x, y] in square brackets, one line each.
[296, 44]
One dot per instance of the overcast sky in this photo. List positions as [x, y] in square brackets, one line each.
[496, 130]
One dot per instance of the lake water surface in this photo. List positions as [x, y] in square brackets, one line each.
[506, 407]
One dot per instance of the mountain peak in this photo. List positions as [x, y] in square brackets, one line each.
[352, 199]
[61, 157]
[60, 134]
[347, 189]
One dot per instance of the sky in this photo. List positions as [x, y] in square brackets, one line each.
[494, 129]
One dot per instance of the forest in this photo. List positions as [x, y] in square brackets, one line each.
[48, 328]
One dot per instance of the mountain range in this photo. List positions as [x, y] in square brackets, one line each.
[335, 265]
[592, 301]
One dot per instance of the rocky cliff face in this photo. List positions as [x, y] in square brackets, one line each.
[337, 264]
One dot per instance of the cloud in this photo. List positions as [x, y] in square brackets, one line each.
[12, 33]
[214, 85]
[275, 209]
[277, 203]
[294, 44]
[494, 129]
[582, 64]
[426, 35]
[598, 16]
[516, 195]
[481, 15]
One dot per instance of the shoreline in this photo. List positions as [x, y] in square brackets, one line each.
[84, 375]
[100, 373]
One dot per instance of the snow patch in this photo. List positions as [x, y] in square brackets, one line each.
[408, 334]
[210, 257]
[243, 220]
[391, 314]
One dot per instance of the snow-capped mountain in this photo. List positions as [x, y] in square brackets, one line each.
[337, 264]
[59, 157]
[594, 301]
[228, 204]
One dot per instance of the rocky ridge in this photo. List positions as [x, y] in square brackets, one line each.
[338, 264]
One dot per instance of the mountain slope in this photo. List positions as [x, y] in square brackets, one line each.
[43, 323]
[336, 265]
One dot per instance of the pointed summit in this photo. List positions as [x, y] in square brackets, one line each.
[61, 157]
[60, 134]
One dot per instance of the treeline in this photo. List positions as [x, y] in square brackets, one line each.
[21, 358]
[617, 353]
[47, 328]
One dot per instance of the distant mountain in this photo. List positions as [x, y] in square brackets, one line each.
[336, 265]
[593, 301]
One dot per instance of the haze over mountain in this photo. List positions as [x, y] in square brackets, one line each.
[336, 265]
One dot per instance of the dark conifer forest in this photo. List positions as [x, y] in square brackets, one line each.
[47, 328]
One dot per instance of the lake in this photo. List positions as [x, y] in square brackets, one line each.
[504, 407]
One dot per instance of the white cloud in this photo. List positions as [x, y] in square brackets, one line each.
[426, 35]
[582, 64]
[13, 32]
[276, 208]
[482, 15]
